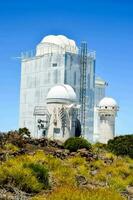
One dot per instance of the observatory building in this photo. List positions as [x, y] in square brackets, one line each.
[100, 90]
[57, 60]
[59, 120]
[106, 113]
[63, 108]
[59, 94]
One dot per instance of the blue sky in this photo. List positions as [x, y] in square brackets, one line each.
[107, 26]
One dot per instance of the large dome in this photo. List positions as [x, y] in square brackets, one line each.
[108, 102]
[56, 43]
[61, 94]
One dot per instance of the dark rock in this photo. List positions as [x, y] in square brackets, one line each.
[11, 193]
[73, 153]
[60, 153]
[55, 143]
[81, 180]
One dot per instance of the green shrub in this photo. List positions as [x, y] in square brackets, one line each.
[25, 173]
[40, 172]
[75, 143]
[122, 145]
[20, 177]
[24, 132]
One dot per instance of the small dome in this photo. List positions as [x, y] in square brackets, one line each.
[61, 94]
[54, 43]
[108, 102]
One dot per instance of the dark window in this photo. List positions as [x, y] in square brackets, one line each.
[56, 130]
[106, 107]
[54, 64]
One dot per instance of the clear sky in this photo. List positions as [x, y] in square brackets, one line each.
[107, 26]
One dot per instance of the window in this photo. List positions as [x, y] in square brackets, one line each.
[56, 130]
[54, 64]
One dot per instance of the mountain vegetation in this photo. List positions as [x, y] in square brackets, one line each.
[40, 169]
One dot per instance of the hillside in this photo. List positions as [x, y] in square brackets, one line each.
[41, 169]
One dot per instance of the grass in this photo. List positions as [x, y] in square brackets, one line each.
[73, 193]
[25, 173]
[38, 172]
[10, 147]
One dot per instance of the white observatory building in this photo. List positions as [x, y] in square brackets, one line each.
[58, 120]
[55, 80]
[106, 111]
[100, 92]
[63, 110]
[57, 60]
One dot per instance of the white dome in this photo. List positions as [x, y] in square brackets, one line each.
[55, 43]
[108, 102]
[61, 94]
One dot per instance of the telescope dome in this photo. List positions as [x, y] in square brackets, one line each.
[61, 94]
[108, 102]
[56, 43]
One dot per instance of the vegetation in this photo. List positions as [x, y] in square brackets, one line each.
[10, 147]
[24, 132]
[75, 143]
[73, 193]
[42, 172]
[25, 173]
[122, 145]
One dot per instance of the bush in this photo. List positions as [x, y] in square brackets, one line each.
[40, 172]
[122, 145]
[24, 132]
[75, 143]
[25, 173]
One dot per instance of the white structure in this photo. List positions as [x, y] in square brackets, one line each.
[62, 107]
[57, 60]
[106, 112]
[100, 86]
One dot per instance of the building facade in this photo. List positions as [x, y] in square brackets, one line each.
[57, 60]
[100, 87]
[100, 92]
[107, 112]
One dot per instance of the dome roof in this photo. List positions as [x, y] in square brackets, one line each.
[108, 102]
[55, 42]
[61, 93]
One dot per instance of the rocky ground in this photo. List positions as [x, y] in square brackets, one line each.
[56, 149]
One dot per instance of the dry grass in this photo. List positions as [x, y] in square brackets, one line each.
[117, 175]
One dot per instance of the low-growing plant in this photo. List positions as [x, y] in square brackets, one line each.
[122, 145]
[29, 177]
[40, 171]
[74, 193]
[10, 147]
[100, 146]
[75, 143]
